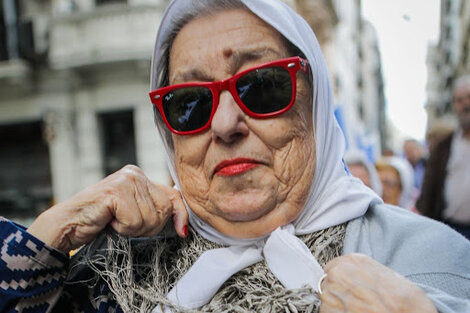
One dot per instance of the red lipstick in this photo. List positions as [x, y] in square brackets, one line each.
[235, 166]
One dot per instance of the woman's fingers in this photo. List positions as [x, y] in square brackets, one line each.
[180, 214]
[173, 207]
[130, 202]
[147, 207]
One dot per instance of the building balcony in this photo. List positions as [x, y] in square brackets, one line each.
[105, 35]
[16, 77]
[15, 69]
[321, 15]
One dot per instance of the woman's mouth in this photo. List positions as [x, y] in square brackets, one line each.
[235, 166]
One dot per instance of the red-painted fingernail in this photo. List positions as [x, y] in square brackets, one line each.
[185, 230]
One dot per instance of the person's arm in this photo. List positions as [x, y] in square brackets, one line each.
[407, 263]
[430, 200]
[126, 200]
[32, 267]
[31, 273]
[428, 194]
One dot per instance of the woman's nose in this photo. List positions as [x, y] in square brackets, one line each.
[228, 123]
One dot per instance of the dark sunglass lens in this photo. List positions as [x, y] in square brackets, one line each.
[187, 108]
[265, 90]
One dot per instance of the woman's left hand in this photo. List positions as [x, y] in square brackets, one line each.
[357, 283]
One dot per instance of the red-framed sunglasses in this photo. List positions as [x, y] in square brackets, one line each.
[262, 91]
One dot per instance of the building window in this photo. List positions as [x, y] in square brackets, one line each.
[449, 82]
[360, 81]
[16, 32]
[104, 2]
[448, 6]
[25, 175]
[448, 32]
[465, 53]
[337, 80]
[360, 53]
[9, 10]
[118, 140]
[447, 108]
[3, 35]
[360, 110]
[447, 57]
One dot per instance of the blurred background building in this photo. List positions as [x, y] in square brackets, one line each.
[356, 73]
[74, 79]
[446, 61]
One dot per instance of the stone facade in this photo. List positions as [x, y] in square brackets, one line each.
[446, 61]
[95, 63]
[356, 71]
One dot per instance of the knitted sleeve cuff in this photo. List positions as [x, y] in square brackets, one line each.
[20, 248]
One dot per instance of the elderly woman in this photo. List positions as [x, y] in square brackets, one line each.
[361, 167]
[263, 205]
[397, 178]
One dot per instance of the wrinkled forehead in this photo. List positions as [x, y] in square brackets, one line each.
[357, 164]
[462, 90]
[181, 12]
[227, 38]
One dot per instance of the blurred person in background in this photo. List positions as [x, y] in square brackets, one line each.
[415, 154]
[445, 194]
[387, 152]
[437, 132]
[396, 176]
[361, 167]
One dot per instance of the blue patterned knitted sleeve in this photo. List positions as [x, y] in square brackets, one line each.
[34, 278]
[32, 274]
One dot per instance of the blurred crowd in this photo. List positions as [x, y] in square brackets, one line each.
[431, 178]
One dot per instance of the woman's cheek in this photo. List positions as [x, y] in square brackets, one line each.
[189, 163]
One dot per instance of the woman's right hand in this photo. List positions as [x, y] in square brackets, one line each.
[127, 200]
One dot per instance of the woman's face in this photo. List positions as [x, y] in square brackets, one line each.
[360, 171]
[391, 185]
[244, 176]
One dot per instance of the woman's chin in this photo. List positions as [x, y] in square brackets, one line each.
[243, 214]
[244, 207]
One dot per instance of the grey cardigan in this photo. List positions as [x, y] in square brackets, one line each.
[440, 257]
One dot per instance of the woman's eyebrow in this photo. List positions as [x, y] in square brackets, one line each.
[193, 74]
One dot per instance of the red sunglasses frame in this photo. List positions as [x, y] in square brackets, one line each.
[292, 65]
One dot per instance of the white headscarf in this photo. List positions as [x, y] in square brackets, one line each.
[334, 197]
[406, 174]
[359, 157]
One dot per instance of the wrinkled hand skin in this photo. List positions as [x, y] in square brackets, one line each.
[126, 200]
[357, 283]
